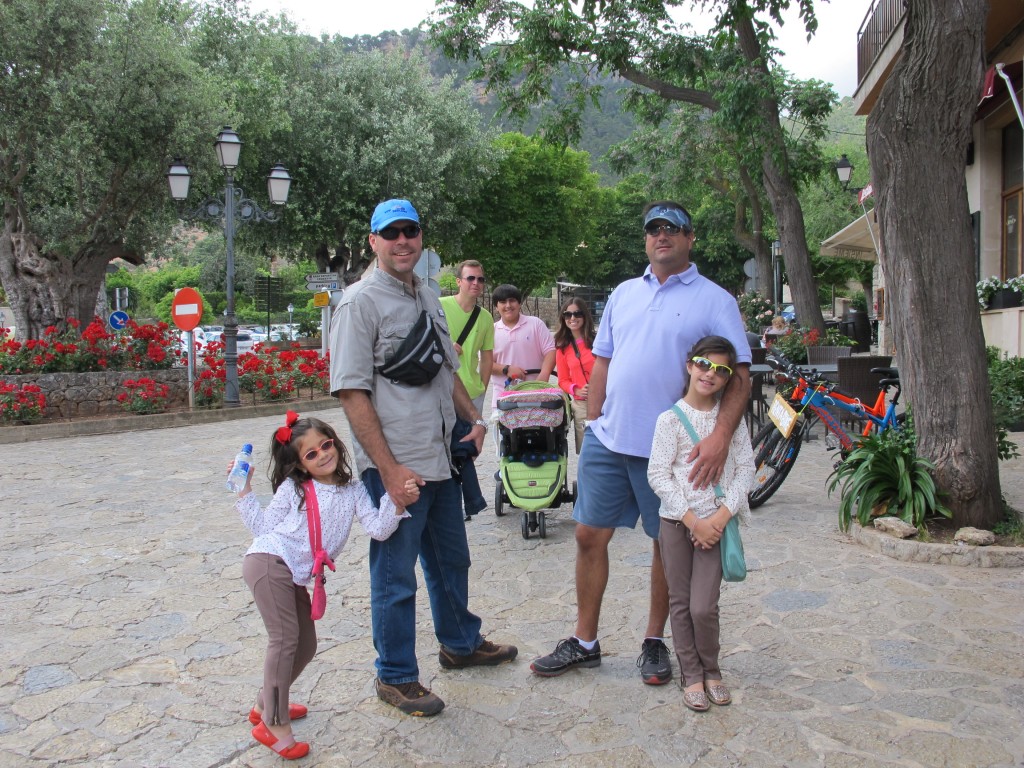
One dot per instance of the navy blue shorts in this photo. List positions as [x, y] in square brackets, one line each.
[613, 491]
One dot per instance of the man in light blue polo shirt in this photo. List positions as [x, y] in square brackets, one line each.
[649, 325]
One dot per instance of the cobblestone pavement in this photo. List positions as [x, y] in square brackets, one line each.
[129, 638]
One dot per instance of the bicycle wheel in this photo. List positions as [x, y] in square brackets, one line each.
[774, 456]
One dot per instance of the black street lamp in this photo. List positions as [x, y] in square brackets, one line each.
[844, 170]
[230, 209]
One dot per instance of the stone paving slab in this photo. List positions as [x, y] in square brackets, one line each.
[130, 640]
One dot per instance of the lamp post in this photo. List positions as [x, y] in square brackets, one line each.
[232, 209]
[291, 332]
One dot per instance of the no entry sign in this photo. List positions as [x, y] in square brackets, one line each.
[187, 309]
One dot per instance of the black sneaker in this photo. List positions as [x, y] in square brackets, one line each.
[568, 654]
[412, 698]
[654, 663]
[487, 655]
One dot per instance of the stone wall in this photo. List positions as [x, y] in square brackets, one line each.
[79, 395]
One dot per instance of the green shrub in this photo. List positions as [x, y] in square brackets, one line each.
[885, 476]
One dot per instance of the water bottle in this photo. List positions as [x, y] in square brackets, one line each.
[240, 469]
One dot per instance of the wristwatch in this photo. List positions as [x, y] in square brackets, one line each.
[480, 423]
[504, 371]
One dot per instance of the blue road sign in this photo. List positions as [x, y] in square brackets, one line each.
[118, 320]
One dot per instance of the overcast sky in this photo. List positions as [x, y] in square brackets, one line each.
[831, 55]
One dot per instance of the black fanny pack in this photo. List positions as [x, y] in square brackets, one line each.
[419, 358]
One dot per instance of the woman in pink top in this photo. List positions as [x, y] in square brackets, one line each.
[574, 359]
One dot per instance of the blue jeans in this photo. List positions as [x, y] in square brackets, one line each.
[436, 535]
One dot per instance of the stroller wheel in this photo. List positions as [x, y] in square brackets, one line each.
[542, 525]
[499, 499]
[575, 493]
[526, 525]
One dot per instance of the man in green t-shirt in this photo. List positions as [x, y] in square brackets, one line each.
[475, 344]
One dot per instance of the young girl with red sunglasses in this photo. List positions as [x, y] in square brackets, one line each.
[279, 565]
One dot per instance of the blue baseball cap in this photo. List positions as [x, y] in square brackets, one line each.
[390, 211]
[671, 215]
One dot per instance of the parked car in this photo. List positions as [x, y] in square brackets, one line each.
[259, 334]
[243, 341]
[199, 338]
[213, 332]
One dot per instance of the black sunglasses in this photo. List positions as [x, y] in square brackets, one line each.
[569, 314]
[473, 279]
[325, 446]
[409, 230]
[653, 229]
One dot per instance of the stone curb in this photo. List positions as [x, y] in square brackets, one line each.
[911, 551]
[108, 425]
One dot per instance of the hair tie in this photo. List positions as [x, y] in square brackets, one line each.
[284, 434]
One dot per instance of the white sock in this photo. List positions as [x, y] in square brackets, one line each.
[588, 645]
[659, 639]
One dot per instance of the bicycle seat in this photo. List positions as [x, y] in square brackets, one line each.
[889, 373]
[889, 383]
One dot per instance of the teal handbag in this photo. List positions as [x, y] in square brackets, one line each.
[734, 563]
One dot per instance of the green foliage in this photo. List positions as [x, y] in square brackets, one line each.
[1006, 384]
[884, 475]
[449, 283]
[540, 208]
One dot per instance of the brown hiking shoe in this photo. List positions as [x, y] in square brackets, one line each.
[412, 698]
[487, 655]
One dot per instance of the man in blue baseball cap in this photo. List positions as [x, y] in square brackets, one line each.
[402, 423]
[648, 326]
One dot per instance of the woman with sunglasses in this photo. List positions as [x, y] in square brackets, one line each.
[692, 519]
[278, 566]
[574, 359]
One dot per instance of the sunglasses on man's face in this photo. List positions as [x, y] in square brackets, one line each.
[570, 313]
[704, 364]
[654, 230]
[325, 446]
[409, 230]
[473, 279]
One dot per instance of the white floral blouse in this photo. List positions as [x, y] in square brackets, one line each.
[282, 528]
[668, 469]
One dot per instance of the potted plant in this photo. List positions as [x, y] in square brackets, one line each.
[885, 476]
[994, 293]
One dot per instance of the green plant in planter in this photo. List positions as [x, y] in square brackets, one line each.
[884, 475]
[1006, 383]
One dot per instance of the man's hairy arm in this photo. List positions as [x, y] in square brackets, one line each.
[366, 427]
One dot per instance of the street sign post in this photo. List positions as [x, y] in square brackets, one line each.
[187, 309]
[118, 320]
[187, 312]
[322, 281]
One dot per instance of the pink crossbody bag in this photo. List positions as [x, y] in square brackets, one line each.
[320, 558]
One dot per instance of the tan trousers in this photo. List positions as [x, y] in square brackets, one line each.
[291, 633]
[694, 585]
[579, 415]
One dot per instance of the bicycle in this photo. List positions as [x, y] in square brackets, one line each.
[776, 449]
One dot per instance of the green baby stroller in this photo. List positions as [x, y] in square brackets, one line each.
[533, 450]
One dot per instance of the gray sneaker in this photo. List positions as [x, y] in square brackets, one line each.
[568, 654]
[654, 662]
[412, 698]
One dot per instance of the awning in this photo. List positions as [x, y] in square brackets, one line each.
[853, 241]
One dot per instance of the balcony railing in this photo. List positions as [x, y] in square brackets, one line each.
[882, 19]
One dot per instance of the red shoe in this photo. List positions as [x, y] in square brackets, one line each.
[288, 748]
[295, 712]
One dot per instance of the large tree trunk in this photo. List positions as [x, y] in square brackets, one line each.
[917, 141]
[781, 192]
[46, 288]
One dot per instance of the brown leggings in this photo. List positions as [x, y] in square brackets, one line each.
[291, 634]
[694, 579]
